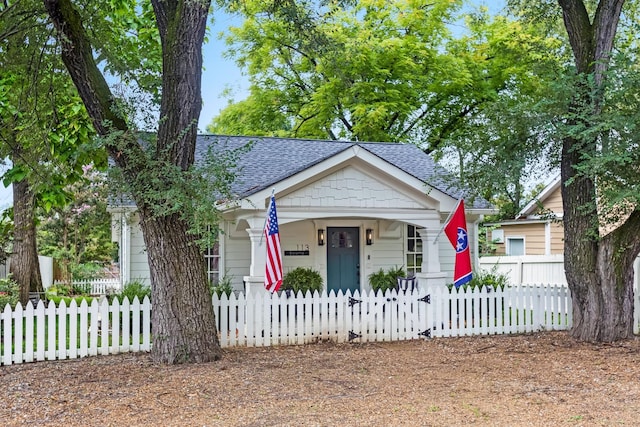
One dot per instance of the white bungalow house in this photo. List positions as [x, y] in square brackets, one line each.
[345, 209]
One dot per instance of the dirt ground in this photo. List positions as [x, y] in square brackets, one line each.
[537, 379]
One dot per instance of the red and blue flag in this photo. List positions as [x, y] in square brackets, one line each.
[456, 231]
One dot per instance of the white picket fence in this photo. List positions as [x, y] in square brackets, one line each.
[50, 332]
[96, 286]
[264, 319]
[47, 332]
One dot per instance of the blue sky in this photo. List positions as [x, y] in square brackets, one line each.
[219, 73]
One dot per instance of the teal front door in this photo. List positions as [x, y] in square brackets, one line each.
[343, 259]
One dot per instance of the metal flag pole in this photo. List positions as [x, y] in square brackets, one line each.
[446, 222]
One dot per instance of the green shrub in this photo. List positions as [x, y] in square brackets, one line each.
[302, 279]
[67, 300]
[132, 290]
[81, 289]
[384, 280]
[491, 279]
[9, 292]
[59, 289]
[222, 287]
[85, 271]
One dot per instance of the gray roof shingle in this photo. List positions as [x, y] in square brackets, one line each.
[271, 160]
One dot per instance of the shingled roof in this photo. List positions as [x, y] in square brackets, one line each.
[271, 160]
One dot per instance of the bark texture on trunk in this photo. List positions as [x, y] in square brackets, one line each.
[183, 318]
[182, 306]
[25, 267]
[599, 269]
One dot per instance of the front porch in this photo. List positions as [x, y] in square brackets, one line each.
[346, 250]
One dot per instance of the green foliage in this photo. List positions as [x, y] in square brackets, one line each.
[85, 271]
[9, 292]
[131, 290]
[67, 293]
[78, 235]
[393, 71]
[384, 280]
[192, 194]
[67, 299]
[488, 279]
[81, 288]
[223, 286]
[45, 130]
[485, 244]
[346, 70]
[6, 233]
[244, 118]
[302, 279]
[59, 289]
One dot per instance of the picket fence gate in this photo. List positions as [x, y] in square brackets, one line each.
[283, 319]
[47, 332]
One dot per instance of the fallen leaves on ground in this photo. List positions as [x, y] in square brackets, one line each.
[534, 379]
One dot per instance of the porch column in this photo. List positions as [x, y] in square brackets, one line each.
[254, 282]
[125, 250]
[431, 274]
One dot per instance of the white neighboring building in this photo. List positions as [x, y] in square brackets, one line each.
[345, 209]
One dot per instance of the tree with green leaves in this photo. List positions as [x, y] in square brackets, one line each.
[596, 103]
[158, 171]
[345, 70]
[78, 235]
[502, 145]
[394, 71]
[43, 129]
[599, 158]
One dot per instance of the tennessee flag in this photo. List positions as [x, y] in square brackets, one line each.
[456, 231]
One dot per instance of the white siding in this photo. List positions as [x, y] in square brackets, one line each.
[236, 256]
[348, 188]
[300, 236]
[139, 263]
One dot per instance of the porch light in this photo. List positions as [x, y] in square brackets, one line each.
[320, 236]
[369, 234]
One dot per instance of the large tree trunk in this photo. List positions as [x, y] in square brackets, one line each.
[599, 269]
[25, 267]
[183, 319]
[184, 309]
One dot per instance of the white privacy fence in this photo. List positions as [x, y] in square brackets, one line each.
[526, 269]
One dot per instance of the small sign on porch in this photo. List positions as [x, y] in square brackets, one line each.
[296, 253]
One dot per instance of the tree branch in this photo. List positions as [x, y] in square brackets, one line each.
[580, 31]
[181, 77]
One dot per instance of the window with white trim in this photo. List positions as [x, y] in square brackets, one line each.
[413, 257]
[515, 246]
[212, 258]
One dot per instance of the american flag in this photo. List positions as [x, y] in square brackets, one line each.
[273, 271]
